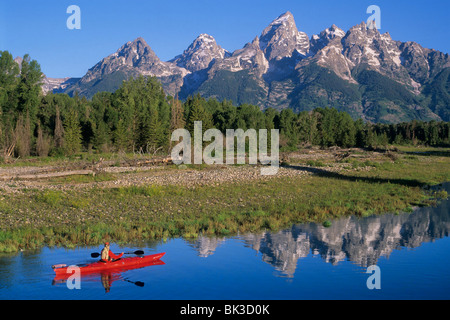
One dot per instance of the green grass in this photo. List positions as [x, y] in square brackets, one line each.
[315, 163]
[37, 218]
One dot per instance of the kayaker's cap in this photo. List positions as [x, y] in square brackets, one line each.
[106, 243]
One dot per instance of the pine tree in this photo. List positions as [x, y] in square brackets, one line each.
[9, 71]
[307, 127]
[345, 131]
[101, 135]
[153, 134]
[198, 113]
[59, 130]
[432, 133]
[370, 137]
[122, 137]
[360, 135]
[72, 136]
[176, 118]
[29, 88]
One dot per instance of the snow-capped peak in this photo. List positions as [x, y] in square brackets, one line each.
[284, 18]
[281, 38]
[200, 53]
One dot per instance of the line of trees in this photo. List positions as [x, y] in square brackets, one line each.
[139, 117]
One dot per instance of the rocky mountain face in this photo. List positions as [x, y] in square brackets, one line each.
[361, 71]
[200, 54]
[57, 84]
[281, 38]
[132, 59]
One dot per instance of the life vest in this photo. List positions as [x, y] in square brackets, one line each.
[105, 254]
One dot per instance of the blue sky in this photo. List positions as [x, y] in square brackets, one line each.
[39, 27]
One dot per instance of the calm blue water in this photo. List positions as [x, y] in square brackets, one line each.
[303, 262]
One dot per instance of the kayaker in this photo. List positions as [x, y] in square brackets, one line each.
[108, 255]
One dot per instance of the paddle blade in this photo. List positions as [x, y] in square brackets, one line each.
[138, 252]
[95, 255]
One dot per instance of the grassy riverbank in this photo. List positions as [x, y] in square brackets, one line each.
[360, 184]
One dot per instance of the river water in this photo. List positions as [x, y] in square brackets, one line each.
[411, 252]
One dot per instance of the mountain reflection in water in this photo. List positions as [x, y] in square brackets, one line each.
[359, 240]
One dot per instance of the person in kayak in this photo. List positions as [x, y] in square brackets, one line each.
[108, 255]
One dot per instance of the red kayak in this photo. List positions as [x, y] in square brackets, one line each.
[123, 263]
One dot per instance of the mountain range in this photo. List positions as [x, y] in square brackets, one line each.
[360, 71]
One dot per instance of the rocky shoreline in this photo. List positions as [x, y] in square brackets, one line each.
[138, 173]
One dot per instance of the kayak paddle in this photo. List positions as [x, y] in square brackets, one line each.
[138, 283]
[138, 252]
